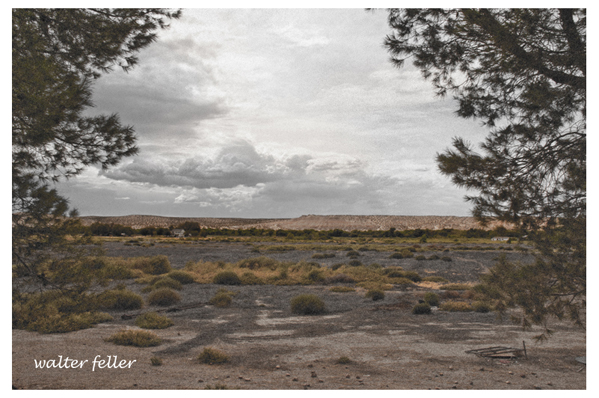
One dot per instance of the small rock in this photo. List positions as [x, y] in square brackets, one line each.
[247, 379]
[314, 374]
[287, 374]
[200, 381]
[321, 381]
[454, 388]
[455, 382]
[385, 355]
[471, 383]
[508, 382]
[523, 376]
[215, 377]
[306, 386]
[310, 365]
[240, 377]
[510, 372]
[536, 387]
[550, 384]
[451, 368]
[357, 377]
[347, 376]
[440, 374]
[294, 379]
[277, 367]
[482, 369]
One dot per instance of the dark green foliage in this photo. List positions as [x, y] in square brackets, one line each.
[431, 299]
[316, 276]
[375, 294]
[120, 299]
[164, 297]
[343, 360]
[213, 356]
[523, 73]
[227, 278]
[151, 320]
[136, 338]
[181, 276]
[307, 304]
[420, 309]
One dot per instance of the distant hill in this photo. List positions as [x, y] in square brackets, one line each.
[346, 223]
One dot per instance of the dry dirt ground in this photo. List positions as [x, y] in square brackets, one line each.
[271, 348]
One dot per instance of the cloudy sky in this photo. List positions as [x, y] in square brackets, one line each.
[275, 113]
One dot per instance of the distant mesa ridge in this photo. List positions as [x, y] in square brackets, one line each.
[316, 222]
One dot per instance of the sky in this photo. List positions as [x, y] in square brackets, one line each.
[275, 113]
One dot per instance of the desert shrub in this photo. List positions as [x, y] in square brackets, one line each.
[433, 257]
[156, 361]
[249, 278]
[116, 271]
[339, 278]
[375, 294]
[420, 257]
[374, 266]
[119, 299]
[259, 262]
[396, 256]
[47, 318]
[155, 265]
[136, 338]
[213, 356]
[316, 276]
[151, 320]
[168, 283]
[431, 299]
[352, 253]
[307, 304]
[227, 278]
[402, 281]
[455, 286]
[164, 297]
[223, 298]
[438, 279]
[354, 263]
[389, 270]
[343, 360]
[421, 308]
[481, 306]
[446, 258]
[407, 253]
[323, 255]
[342, 289]
[335, 267]
[182, 277]
[450, 294]
[413, 276]
[455, 306]
[281, 248]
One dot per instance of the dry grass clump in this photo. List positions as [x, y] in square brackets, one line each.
[167, 282]
[343, 360]
[431, 299]
[455, 306]
[152, 320]
[156, 361]
[375, 294]
[323, 255]
[481, 306]
[249, 278]
[182, 277]
[438, 279]
[258, 263]
[227, 278]
[213, 356]
[307, 304]
[164, 297]
[339, 278]
[342, 289]
[222, 299]
[119, 299]
[421, 309]
[136, 338]
[155, 265]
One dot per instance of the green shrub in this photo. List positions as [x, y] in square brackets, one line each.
[315, 276]
[168, 283]
[119, 299]
[151, 320]
[227, 278]
[335, 267]
[164, 297]
[396, 256]
[342, 289]
[431, 299]
[249, 278]
[156, 265]
[407, 253]
[413, 276]
[136, 338]
[222, 298]
[343, 360]
[481, 306]
[156, 361]
[307, 304]
[352, 253]
[354, 263]
[181, 276]
[375, 294]
[339, 278]
[421, 308]
[212, 356]
[455, 306]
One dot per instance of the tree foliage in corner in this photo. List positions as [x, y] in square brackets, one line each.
[522, 72]
[56, 56]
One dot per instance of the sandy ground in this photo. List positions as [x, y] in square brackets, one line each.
[271, 348]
